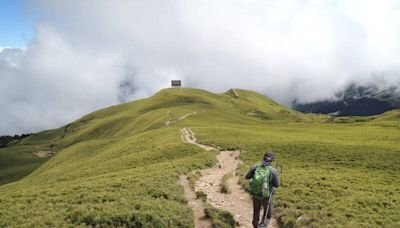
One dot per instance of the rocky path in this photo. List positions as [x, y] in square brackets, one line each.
[238, 202]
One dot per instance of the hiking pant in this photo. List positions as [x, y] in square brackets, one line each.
[257, 208]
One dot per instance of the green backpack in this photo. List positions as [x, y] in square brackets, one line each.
[259, 184]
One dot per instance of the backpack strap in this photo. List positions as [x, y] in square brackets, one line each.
[270, 179]
[257, 165]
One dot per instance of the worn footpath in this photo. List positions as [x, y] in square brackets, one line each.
[238, 201]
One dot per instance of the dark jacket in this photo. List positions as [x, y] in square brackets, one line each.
[274, 179]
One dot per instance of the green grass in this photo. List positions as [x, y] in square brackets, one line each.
[120, 166]
[130, 183]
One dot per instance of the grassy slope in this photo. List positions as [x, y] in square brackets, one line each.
[119, 166]
[18, 161]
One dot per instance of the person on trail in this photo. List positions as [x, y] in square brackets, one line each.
[264, 178]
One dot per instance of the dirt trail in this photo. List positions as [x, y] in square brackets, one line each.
[43, 153]
[235, 92]
[195, 204]
[188, 137]
[170, 121]
[238, 202]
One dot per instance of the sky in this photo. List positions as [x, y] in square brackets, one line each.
[60, 59]
[15, 29]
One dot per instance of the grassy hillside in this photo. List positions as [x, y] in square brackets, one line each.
[18, 161]
[119, 166]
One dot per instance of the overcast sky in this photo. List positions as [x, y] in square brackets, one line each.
[83, 54]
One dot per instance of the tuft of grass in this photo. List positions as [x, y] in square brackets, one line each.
[193, 177]
[219, 218]
[201, 195]
[224, 183]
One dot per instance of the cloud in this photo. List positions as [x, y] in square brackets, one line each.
[87, 55]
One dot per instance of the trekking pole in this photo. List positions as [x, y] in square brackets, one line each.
[263, 223]
[271, 194]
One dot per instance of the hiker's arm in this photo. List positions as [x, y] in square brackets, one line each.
[250, 174]
[274, 178]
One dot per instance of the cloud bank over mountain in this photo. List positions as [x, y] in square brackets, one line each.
[87, 55]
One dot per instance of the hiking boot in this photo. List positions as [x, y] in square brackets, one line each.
[264, 224]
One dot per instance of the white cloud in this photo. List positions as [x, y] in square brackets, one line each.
[86, 53]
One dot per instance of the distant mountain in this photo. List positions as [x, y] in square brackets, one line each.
[355, 100]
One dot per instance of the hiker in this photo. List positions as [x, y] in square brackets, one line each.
[264, 178]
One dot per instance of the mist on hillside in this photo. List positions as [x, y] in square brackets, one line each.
[89, 55]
